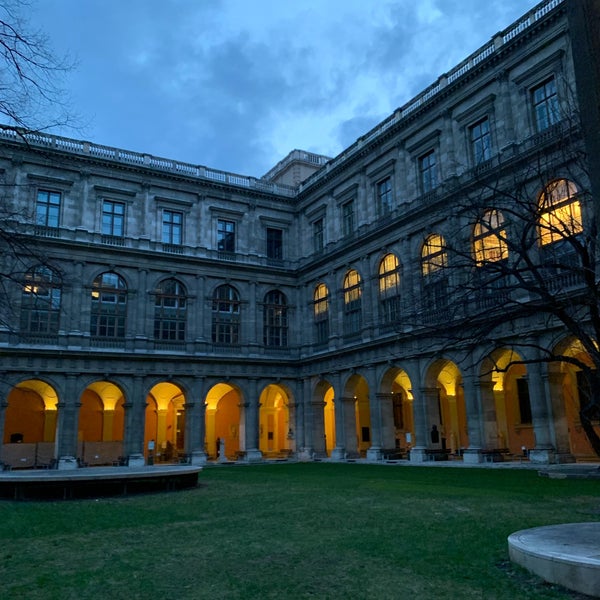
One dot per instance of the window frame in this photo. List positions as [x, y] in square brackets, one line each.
[113, 222]
[428, 171]
[47, 207]
[170, 321]
[275, 320]
[170, 227]
[549, 103]
[41, 309]
[480, 143]
[105, 322]
[226, 315]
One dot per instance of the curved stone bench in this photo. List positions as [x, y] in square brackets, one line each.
[568, 555]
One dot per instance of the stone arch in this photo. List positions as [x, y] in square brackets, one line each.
[224, 420]
[569, 391]
[445, 406]
[505, 391]
[397, 407]
[275, 431]
[30, 422]
[164, 435]
[101, 423]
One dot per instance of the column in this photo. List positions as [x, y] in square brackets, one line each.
[68, 418]
[135, 422]
[386, 417]
[142, 324]
[349, 425]
[195, 414]
[5, 390]
[421, 441]
[472, 390]
[543, 451]
[251, 406]
[374, 452]
[339, 452]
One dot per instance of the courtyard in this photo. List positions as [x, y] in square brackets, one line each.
[294, 531]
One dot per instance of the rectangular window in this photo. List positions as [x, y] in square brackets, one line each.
[318, 240]
[225, 236]
[428, 172]
[274, 243]
[172, 227]
[384, 196]
[348, 218]
[481, 141]
[113, 218]
[545, 104]
[47, 210]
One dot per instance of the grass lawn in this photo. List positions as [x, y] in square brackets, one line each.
[293, 531]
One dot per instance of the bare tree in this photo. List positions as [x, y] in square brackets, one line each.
[31, 95]
[527, 260]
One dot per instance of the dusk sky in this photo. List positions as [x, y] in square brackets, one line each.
[236, 84]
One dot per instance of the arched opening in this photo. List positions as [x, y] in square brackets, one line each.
[30, 425]
[570, 390]
[101, 424]
[504, 382]
[275, 433]
[223, 418]
[165, 423]
[445, 408]
[397, 384]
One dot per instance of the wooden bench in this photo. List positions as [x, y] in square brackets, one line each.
[436, 454]
[393, 453]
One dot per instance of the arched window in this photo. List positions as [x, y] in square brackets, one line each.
[170, 309]
[559, 212]
[489, 238]
[434, 257]
[226, 316]
[109, 306]
[389, 288]
[352, 303]
[275, 331]
[40, 301]
[434, 260]
[321, 313]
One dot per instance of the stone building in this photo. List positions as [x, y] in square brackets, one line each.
[159, 308]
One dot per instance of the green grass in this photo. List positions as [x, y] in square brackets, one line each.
[293, 531]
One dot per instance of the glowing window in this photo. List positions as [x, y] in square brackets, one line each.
[389, 288]
[352, 302]
[559, 212]
[489, 238]
[434, 256]
[40, 301]
[321, 312]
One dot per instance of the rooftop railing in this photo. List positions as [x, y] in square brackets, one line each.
[456, 73]
[45, 140]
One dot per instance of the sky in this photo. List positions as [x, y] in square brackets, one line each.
[237, 84]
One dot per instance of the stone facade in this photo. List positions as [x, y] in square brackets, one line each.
[191, 307]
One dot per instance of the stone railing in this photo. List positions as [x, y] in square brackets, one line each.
[55, 142]
[456, 73]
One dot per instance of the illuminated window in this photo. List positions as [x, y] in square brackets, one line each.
[481, 141]
[560, 212]
[384, 196]
[321, 313]
[433, 255]
[170, 309]
[172, 227]
[489, 238]
[275, 329]
[226, 315]
[109, 306]
[545, 104]
[352, 303]
[40, 301]
[47, 209]
[428, 172]
[389, 288]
